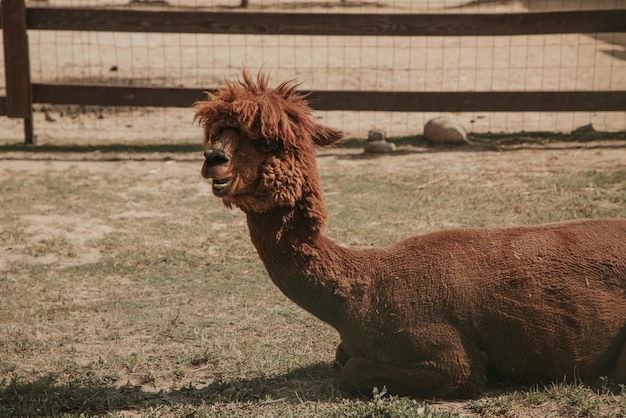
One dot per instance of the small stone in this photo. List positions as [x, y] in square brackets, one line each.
[48, 116]
[584, 129]
[379, 147]
[376, 135]
[444, 130]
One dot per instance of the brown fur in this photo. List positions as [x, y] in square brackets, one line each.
[431, 315]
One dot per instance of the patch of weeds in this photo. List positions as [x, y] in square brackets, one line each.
[32, 271]
[577, 399]
[492, 406]
[556, 399]
[183, 410]
[589, 194]
[95, 373]
[382, 406]
[608, 192]
[201, 358]
[48, 246]
[20, 344]
[7, 367]
[604, 179]
[266, 404]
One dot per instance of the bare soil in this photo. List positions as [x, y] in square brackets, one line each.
[493, 164]
[148, 191]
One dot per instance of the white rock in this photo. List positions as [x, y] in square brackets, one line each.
[445, 130]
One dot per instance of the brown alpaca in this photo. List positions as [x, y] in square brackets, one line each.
[433, 315]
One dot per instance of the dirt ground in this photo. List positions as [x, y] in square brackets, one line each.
[497, 163]
[495, 166]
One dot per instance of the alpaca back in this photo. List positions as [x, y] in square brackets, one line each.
[537, 299]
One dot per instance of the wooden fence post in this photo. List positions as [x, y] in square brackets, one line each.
[17, 65]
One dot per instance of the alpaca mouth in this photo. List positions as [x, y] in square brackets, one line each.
[220, 186]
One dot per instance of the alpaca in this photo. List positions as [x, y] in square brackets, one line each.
[431, 316]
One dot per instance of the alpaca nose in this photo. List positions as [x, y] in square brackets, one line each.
[215, 157]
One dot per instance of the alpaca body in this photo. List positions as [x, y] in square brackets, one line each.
[435, 314]
[526, 304]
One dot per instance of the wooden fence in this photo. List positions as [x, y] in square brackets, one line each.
[21, 94]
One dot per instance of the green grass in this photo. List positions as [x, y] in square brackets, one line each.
[563, 399]
[126, 289]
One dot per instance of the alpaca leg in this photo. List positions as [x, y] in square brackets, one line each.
[363, 375]
[341, 355]
[427, 379]
[620, 367]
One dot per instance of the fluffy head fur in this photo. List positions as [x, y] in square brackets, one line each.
[280, 115]
[277, 135]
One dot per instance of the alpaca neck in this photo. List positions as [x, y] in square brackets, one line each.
[305, 265]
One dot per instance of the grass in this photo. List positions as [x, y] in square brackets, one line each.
[556, 399]
[126, 290]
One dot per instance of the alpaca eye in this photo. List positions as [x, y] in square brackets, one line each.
[224, 129]
[263, 145]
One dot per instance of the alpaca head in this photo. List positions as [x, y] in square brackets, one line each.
[259, 145]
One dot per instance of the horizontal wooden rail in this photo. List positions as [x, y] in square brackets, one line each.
[349, 100]
[470, 101]
[461, 24]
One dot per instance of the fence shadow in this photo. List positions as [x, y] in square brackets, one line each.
[192, 151]
[183, 147]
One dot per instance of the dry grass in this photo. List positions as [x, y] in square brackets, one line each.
[126, 290]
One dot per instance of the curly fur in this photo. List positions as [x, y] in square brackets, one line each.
[281, 118]
[435, 314]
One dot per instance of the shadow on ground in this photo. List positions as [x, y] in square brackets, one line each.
[141, 152]
[104, 148]
[48, 396]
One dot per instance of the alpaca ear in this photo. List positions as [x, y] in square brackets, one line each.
[324, 136]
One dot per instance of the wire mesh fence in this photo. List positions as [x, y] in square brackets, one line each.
[554, 62]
